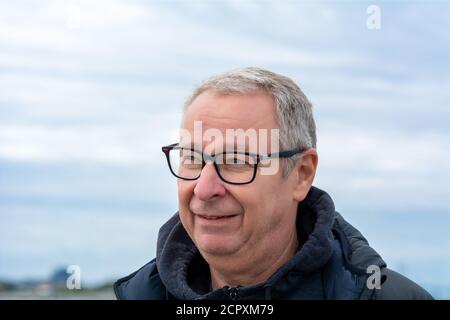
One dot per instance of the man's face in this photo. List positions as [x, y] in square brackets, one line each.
[251, 215]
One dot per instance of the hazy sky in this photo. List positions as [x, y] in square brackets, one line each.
[90, 91]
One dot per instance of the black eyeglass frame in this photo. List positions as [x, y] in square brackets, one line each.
[207, 157]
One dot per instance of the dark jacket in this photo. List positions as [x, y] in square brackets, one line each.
[331, 263]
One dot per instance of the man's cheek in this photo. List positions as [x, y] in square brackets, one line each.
[184, 195]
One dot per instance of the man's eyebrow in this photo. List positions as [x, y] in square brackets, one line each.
[226, 148]
[190, 146]
[234, 147]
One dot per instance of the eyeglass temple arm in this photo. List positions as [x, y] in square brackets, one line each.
[282, 154]
[167, 148]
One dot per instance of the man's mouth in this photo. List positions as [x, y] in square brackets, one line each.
[207, 217]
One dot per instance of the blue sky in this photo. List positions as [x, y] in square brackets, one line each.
[91, 90]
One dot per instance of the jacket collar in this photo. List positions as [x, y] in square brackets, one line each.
[186, 275]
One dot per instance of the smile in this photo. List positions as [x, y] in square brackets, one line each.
[216, 217]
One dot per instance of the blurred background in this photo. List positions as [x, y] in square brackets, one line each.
[90, 91]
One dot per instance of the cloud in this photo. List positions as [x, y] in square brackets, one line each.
[103, 144]
[387, 169]
[386, 151]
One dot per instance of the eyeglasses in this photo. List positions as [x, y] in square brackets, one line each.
[232, 167]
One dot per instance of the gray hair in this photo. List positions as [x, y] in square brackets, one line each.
[293, 109]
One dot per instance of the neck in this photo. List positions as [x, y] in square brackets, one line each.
[251, 269]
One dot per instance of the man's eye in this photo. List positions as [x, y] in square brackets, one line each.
[191, 160]
[188, 157]
[237, 160]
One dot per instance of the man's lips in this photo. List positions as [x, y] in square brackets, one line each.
[215, 216]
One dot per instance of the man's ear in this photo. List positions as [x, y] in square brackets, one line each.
[303, 174]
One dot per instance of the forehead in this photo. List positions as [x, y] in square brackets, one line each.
[214, 110]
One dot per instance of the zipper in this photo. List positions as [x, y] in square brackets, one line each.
[233, 293]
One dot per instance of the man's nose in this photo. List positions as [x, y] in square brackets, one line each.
[209, 184]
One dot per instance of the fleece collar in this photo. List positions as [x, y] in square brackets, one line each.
[186, 275]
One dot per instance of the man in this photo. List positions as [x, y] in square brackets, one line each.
[250, 224]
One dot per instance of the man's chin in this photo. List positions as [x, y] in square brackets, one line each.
[216, 245]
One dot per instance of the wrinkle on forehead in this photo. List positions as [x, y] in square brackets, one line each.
[221, 112]
[255, 110]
